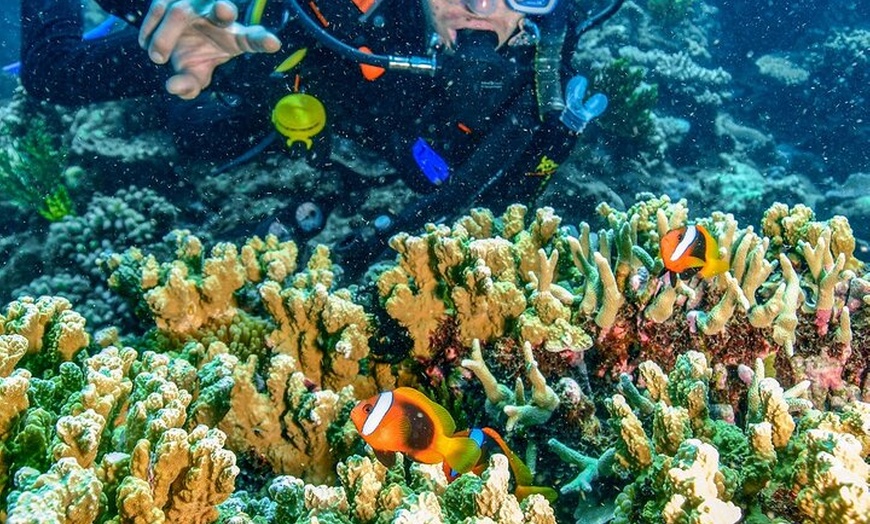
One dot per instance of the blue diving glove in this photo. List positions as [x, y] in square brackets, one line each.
[578, 113]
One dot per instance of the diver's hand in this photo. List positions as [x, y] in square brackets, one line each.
[196, 36]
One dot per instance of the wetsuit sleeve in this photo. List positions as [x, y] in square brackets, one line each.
[132, 11]
[58, 66]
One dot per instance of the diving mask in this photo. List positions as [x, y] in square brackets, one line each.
[533, 7]
[480, 7]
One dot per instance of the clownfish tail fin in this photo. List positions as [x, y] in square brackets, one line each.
[524, 491]
[460, 453]
[715, 267]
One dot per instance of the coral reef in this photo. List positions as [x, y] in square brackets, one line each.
[786, 460]
[251, 362]
[369, 493]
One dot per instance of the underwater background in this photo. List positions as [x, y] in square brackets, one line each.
[179, 346]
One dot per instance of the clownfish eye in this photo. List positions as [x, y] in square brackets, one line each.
[367, 409]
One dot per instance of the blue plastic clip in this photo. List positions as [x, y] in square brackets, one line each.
[578, 113]
[430, 162]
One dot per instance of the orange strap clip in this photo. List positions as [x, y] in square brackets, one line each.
[370, 72]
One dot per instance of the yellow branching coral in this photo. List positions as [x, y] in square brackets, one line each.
[325, 333]
[287, 424]
[79, 433]
[635, 451]
[12, 349]
[698, 488]
[539, 234]
[484, 305]
[186, 301]
[13, 398]
[411, 289]
[46, 321]
[268, 258]
[65, 493]
[548, 322]
[180, 479]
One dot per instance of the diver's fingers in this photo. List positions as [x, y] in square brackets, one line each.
[223, 13]
[187, 84]
[152, 19]
[164, 39]
[256, 39]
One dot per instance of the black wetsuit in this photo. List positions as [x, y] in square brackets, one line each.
[479, 113]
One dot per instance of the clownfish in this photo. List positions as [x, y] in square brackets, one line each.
[489, 442]
[691, 249]
[406, 421]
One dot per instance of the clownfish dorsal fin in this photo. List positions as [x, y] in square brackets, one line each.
[440, 415]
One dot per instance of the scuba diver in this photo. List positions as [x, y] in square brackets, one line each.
[470, 100]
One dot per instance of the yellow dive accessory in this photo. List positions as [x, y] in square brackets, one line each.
[255, 13]
[299, 117]
[291, 61]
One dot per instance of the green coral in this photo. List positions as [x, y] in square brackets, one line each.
[32, 171]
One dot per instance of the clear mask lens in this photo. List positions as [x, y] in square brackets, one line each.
[481, 7]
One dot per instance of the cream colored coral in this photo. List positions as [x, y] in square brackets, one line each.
[698, 490]
[774, 409]
[495, 500]
[410, 291]
[66, 493]
[638, 453]
[268, 258]
[13, 398]
[785, 323]
[183, 477]
[12, 349]
[35, 318]
[837, 476]
[655, 380]
[611, 298]
[79, 437]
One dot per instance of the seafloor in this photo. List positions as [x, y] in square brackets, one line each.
[163, 360]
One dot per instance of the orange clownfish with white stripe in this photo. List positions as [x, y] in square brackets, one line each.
[689, 250]
[406, 421]
[489, 442]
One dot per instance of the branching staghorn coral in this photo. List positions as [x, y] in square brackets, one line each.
[499, 398]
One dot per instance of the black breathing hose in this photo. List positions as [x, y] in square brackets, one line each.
[600, 18]
[414, 64]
